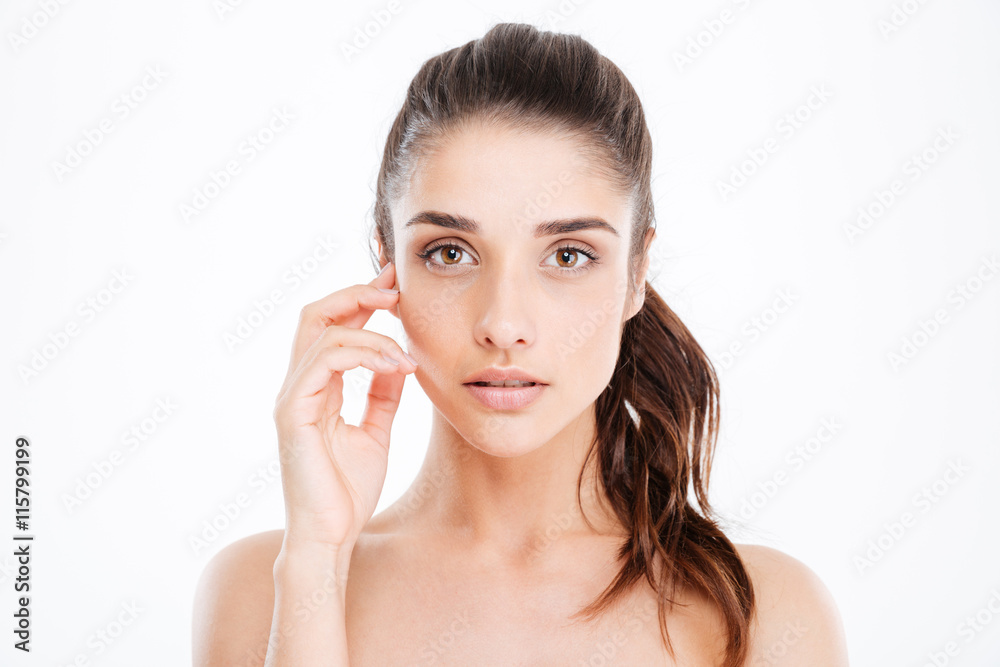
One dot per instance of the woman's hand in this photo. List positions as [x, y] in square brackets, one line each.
[332, 473]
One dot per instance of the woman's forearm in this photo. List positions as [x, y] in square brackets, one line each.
[309, 625]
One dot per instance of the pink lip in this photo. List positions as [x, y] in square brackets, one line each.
[501, 373]
[506, 398]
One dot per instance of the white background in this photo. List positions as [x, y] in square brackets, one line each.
[719, 261]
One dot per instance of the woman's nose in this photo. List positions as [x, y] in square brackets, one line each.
[504, 316]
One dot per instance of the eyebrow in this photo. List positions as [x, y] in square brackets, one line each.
[548, 228]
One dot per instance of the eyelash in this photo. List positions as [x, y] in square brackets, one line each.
[593, 257]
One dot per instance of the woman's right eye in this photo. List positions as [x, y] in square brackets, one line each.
[452, 254]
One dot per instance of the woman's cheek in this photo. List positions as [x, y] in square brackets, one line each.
[414, 319]
[431, 326]
[574, 326]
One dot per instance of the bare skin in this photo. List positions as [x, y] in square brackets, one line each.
[416, 601]
[485, 559]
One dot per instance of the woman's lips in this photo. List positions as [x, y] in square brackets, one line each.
[505, 398]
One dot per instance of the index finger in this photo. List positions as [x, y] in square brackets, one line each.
[350, 307]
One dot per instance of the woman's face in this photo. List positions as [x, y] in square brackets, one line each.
[502, 291]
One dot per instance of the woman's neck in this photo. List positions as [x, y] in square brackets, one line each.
[516, 506]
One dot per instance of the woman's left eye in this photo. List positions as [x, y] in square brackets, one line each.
[562, 253]
[569, 254]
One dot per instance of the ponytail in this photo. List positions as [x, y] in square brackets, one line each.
[646, 468]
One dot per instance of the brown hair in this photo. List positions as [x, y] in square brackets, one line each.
[527, 78]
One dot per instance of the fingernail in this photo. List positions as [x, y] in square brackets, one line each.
[409, 358]
[390, 359]
[384, 268]
[388, 291]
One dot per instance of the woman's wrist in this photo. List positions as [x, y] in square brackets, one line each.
[310, 605]
[308, 561]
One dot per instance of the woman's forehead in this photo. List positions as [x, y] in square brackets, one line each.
[505, 151]
[495, 173]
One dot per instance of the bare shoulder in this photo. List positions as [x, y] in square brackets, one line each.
[234, 603]
[797, 620]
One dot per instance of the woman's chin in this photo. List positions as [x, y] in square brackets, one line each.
[502, 437]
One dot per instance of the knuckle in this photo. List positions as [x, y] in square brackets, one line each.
[329, 354]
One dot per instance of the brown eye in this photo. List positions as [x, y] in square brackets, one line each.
[451, 252]
[568, 259]
[569, 253]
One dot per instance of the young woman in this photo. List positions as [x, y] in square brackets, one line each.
[550, 523]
